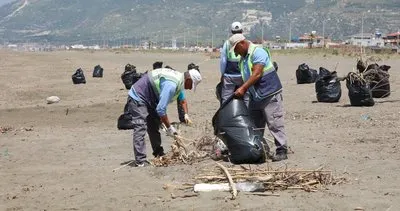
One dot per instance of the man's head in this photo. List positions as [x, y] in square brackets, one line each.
[192, 79]
[236, 28]
[239, 44]
[157, 65]
[193, 66]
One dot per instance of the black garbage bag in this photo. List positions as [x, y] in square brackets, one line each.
[361, 67]
[98, 72]
[378, 79]
[233, 125]
[129, 67]
[127, 78]
[275, 66]
[374, 66]
[306, 75]
[327, 86]
[359, 92]
[130, 76]
[125, 122]
[78, 77]
[218, 91]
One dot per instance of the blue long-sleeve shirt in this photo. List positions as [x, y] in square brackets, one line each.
[167, 92]
[224, 61]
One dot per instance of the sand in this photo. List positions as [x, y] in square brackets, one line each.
[54, 161]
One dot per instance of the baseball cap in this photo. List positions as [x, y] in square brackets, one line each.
[235, 39]
[236, 27]
[196, 78]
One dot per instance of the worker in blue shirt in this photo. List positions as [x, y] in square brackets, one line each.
[262, 81]
[147, 104]
[231, 78]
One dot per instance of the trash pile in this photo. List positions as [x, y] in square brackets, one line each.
[260, 180]
[359, 91]
[378, 78]
[184, 151]
[370, 81]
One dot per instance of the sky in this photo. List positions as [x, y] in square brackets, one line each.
[5, 2]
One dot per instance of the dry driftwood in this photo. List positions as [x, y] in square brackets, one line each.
[184, 151]
[187, 195]
[307, 180]
[263, 194]
[232, 185]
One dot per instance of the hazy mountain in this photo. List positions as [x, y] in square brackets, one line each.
[2, 2]
[192, 20]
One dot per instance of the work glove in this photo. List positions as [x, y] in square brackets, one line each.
[188, 120]
[171, 131]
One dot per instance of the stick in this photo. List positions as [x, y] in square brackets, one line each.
[231, 184]
[247, 177]
[295, 188]
[263, 194]
[123, 166]
[312, 182]
[173, 196]
[276, 172]
[337, 64]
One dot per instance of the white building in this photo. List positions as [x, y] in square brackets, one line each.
[365, 40]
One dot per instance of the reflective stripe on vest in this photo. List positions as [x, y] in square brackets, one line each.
[268, 68]
[168, 74]
[231, 57]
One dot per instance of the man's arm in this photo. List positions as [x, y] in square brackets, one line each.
[223, 59]
[183, 102]
[259, 60]
[167, 93]
[257, 73]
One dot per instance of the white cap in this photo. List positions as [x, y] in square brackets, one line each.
[196, 78]
[235, 39]
[236, 27]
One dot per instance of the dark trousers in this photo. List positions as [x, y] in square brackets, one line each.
[144, 119]
[270, 112]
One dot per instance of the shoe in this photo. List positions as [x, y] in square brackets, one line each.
[159, 152]
[142, 163]
[281, 154]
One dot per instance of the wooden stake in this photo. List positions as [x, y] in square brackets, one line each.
[173, 196]
[231, 184]
[263, 194]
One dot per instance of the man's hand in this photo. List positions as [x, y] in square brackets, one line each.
[171, 131]
[240, 92]
[188, 120]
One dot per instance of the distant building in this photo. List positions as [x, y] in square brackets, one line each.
[312, 40]
[392, 39]
[78, 46]
[366, 40]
